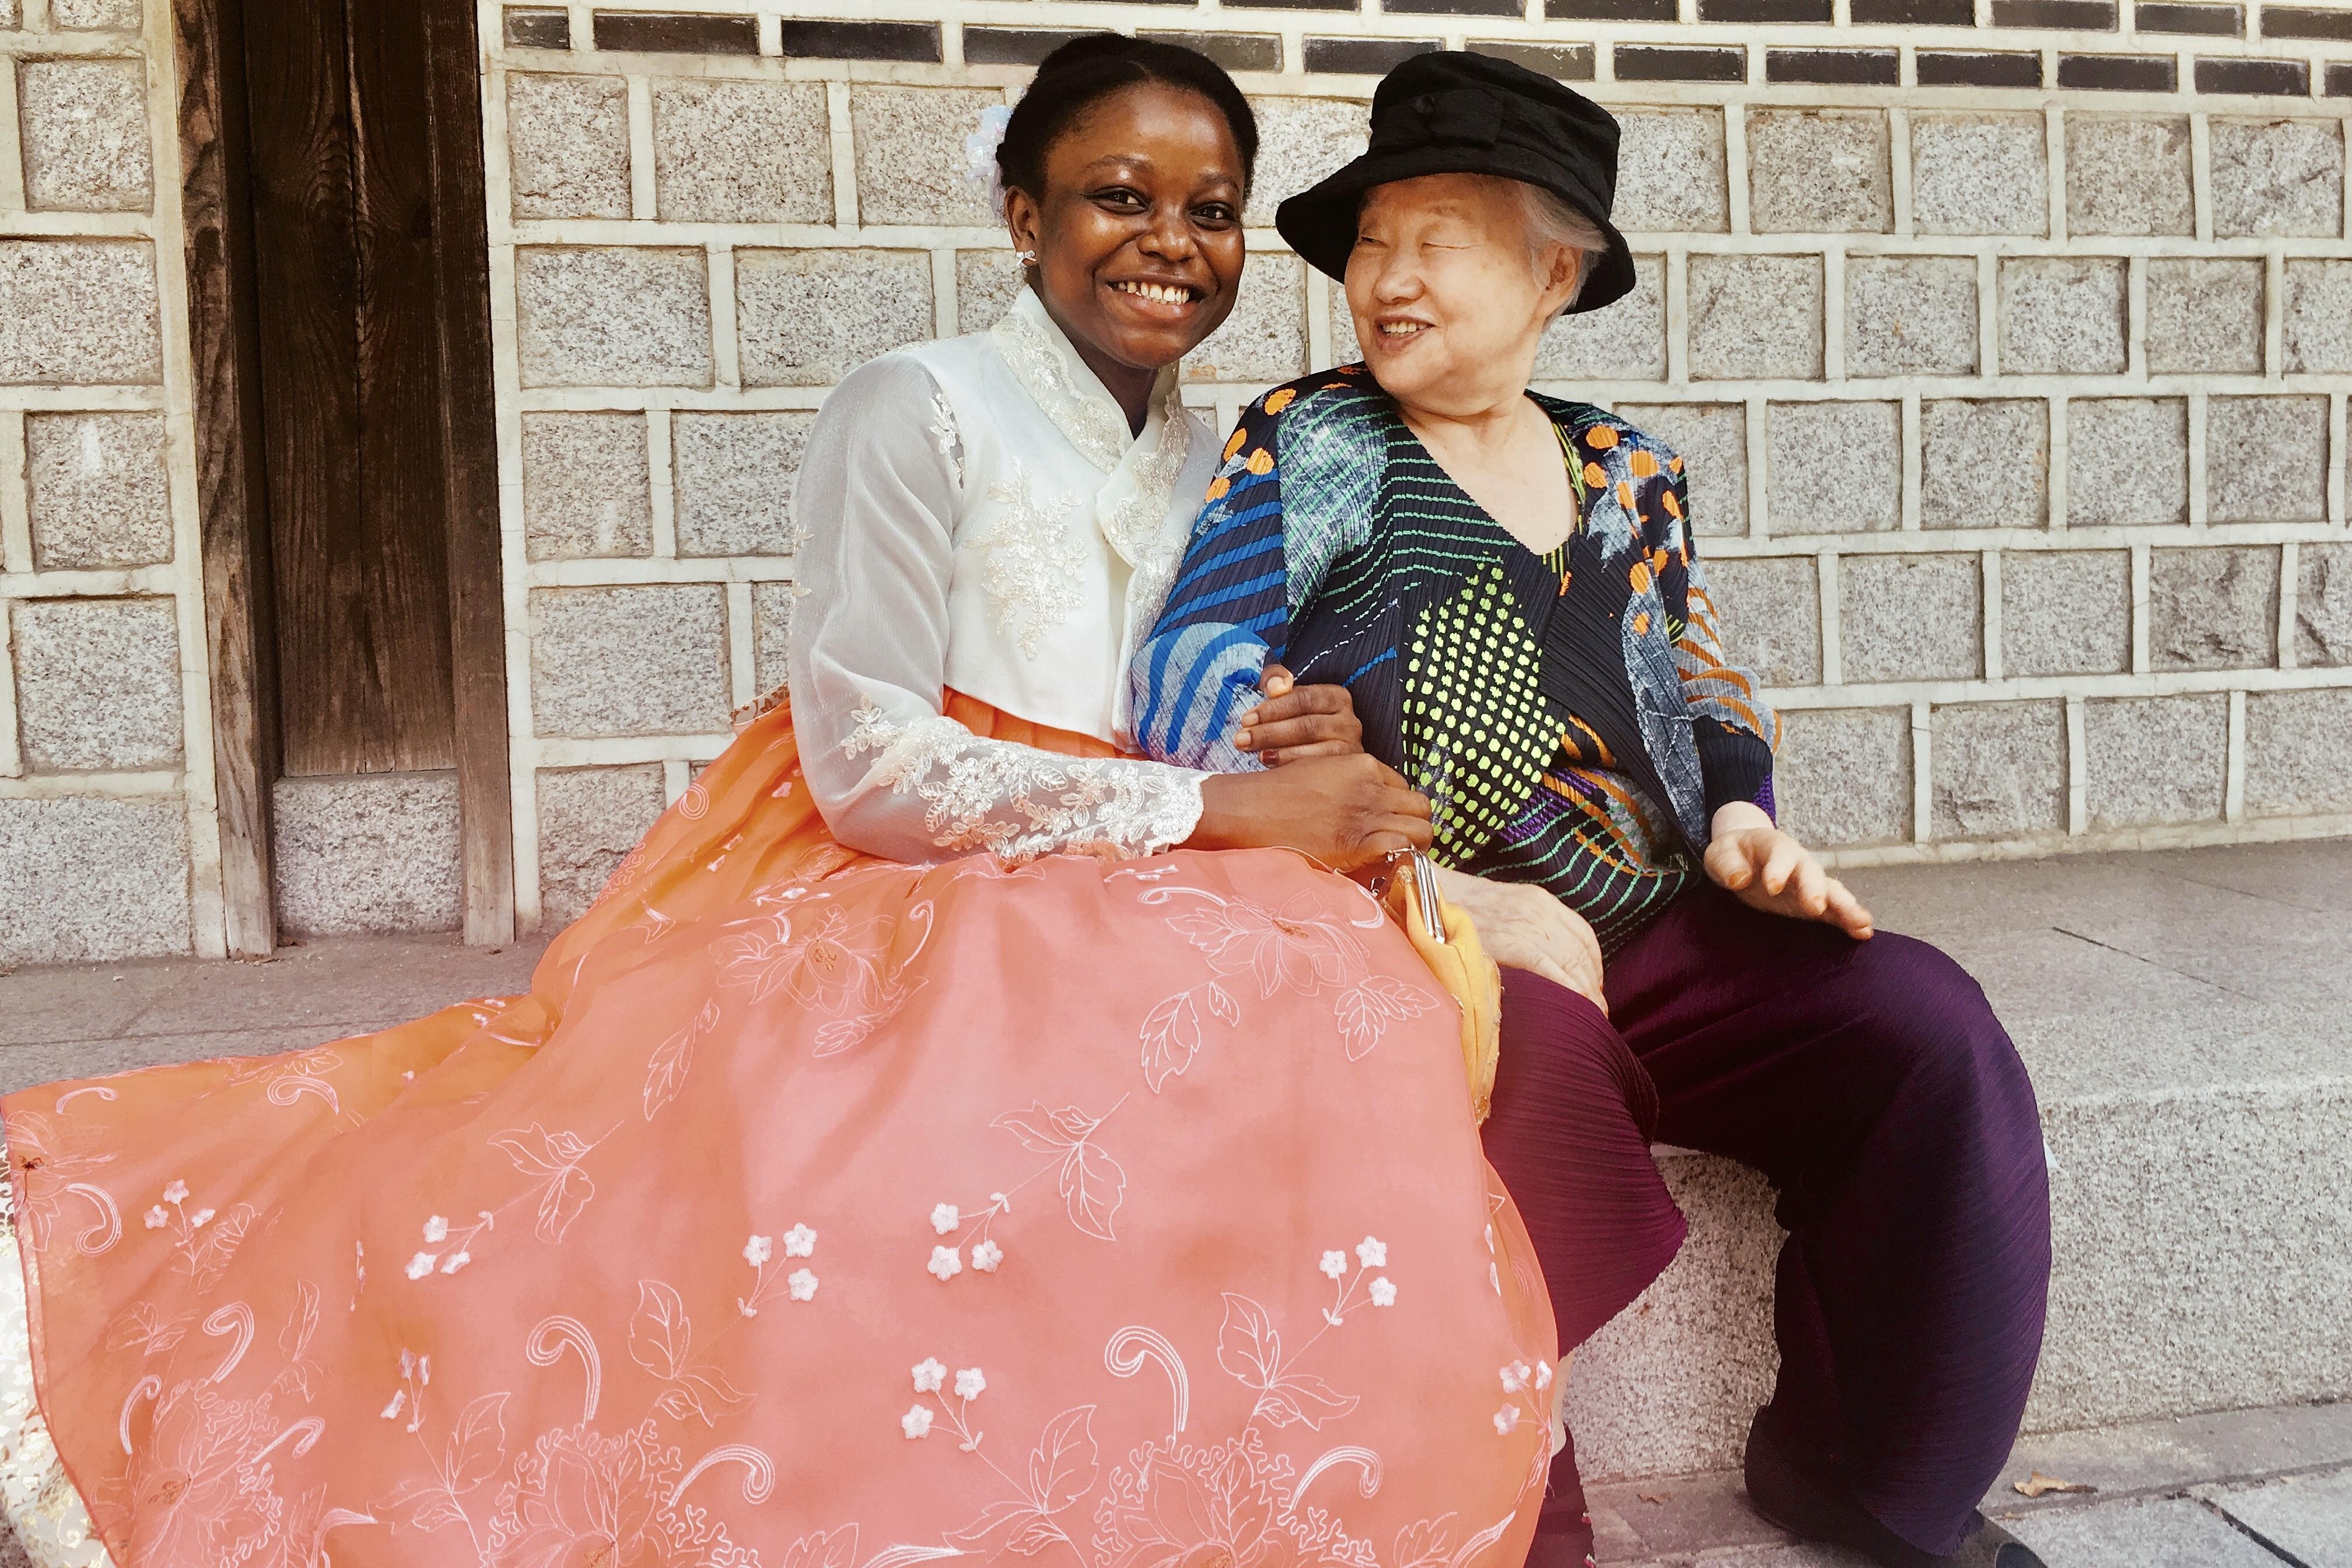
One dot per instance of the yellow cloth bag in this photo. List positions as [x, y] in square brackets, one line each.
[1460, 964]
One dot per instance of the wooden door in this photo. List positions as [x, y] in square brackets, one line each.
[340, 308]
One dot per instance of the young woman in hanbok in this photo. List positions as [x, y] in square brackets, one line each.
[924, 1150]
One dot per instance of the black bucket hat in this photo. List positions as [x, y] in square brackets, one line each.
[1452, 112]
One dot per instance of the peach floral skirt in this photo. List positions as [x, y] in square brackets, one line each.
[814, 1210]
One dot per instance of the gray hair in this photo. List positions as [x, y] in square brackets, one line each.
[1551, 221]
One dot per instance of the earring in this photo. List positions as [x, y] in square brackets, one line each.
[1024, 258]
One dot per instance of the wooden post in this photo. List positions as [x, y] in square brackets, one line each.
[232, 508]
[471, 447]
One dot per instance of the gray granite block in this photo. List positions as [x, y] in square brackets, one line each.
[742, 152]
[645, 660]
[2128, 175]
[2266, 459]
[2323, 606]
[98, 683]
[1998, 769]
[1818, 171]
[568, 145]
[2214, 607]
[2294, 751]
[367, 853]
[1755, 316]
[1911, 617]
[586, 488]
[734, 480]
[772, 630]
[910, 155]
[1265, 340]
[95, 16]
[1623, 341]
[807, 318]
[1769, 612]
[589, 820]
[1984, 465]
[1843, 776]
[85, 135]
[2065, 611]
[1711, 438]
[987, 282]
[2163, 1533]
[2278, 177]
[614, 316]
[2310, 1516]
[97, 490]
[2156, 759]
[80, 312]
[1670, 175]
[1300, 139]
[2127, 461]
[2318, 315]
[2205, 316]
[1911, 315]
[1833, 467]
[2061, 316]
[86, 878]
[1980, 173]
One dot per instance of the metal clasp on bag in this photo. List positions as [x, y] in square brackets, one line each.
[1424, 887]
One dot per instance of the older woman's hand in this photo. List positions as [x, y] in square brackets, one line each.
[1297, 722]
[1767, 870]
[1523, 926]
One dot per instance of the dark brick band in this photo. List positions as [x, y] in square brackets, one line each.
[1364, 57]
[2069, 16]
[2120, 73]
[1610, 10]
[1235, 51]
[2339, 80]
[2290, 78]
[2213, 21]
[1764, 11]
[1979, 70]
[1011, 45]
[1295, 4]
[646, 32]
[1511, 8]
[2297, 22]
[1868, 68]
[862, 41]
[529, 28]
[1653, 62]
[1914, 12]
[1561, 62]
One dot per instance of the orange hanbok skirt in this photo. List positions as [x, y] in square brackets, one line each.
[822, 1212]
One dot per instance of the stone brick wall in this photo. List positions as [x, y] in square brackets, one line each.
[2008, 341]
[108, 842]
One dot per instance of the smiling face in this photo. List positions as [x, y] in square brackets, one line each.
[1448, 301]
[1138, 232]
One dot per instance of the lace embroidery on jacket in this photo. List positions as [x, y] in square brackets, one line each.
[1092, 424]
[1034, 567]
[1019, 803]
[946, 438]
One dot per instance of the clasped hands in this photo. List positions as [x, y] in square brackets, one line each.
[1321, 794]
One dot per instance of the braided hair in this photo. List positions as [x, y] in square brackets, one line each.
[1085, 71]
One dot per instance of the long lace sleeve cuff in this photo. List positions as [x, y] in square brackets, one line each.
[1018, 803]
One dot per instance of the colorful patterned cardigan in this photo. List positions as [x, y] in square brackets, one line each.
[1571, 716]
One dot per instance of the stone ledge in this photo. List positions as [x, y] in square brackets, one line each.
[2201, 1129]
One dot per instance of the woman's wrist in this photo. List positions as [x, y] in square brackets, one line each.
[1736, 815]
[1225, 822]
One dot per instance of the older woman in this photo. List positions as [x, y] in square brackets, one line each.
[1506, 581]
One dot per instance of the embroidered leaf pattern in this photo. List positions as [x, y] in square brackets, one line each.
[1426, 1543]
[660, 1334]
[553, 1159]
[824, 1549]
[667, 1072]
[418, 1503]
[294, 1340]
[1063, 1468]
[1171, 1038]
[1365, 1011]
[478, 1446]
[1247, 1345]
[1303, 1397]
[1093, 1186]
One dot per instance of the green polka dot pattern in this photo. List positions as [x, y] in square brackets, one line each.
[1476, 730]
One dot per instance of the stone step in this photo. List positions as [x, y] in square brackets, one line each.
[2184, 1015]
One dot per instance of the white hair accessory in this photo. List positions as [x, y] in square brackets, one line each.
[980, 155]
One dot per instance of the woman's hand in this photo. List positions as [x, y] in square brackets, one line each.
[1297, 722]
[1524, 927]
[1767, 870]
[1346, 812]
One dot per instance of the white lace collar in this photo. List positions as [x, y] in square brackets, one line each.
[1141, 471]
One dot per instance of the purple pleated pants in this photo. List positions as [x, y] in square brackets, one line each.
[1872, 1084]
